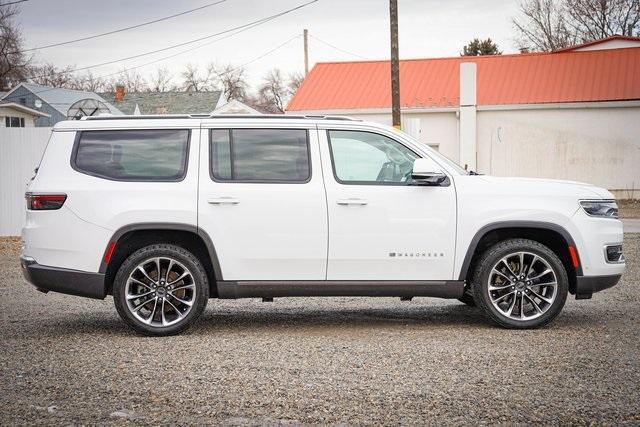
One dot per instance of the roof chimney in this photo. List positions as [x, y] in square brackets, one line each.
[119, 93]
[524, 50]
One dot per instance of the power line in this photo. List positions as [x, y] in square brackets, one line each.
[194, 48]
[264, 54]
[248, 25]
[336, 47]
[95, 36]
[270, 51]
[12, 2]
[165, 57]
[226, 72]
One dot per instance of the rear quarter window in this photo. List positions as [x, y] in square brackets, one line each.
[133, 155]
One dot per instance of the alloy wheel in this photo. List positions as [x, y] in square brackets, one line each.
[522, 286]
[160, 291]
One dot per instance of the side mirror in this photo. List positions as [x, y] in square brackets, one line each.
[427, 172]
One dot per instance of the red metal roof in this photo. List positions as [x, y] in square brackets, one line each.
[598, 75]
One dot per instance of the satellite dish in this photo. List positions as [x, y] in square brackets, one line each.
[87, 107]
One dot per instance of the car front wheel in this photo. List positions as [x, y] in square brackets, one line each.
[520, 284]
[160, 289]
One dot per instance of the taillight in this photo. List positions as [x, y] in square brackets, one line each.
[45, 202]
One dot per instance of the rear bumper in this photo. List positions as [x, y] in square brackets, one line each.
[65, 281]
[587, 285]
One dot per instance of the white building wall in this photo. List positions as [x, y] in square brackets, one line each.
[437, 129]
[611, 44]
[383, 118]
[29, 120]
[468, 113]
[600, 146]
[20, 152]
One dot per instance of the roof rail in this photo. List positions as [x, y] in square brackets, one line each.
[218, 116]
[140, 117]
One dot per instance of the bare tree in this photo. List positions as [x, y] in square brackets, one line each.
[232, 80]
[191, 79]
[90, 82]
[14, 65]
[110, 85]
[596, 19]
[542, 25]
[132, 81]
[161, 80]
[295, 81]
[273, 92]
[547, 25]
[48, 74]
[194, 80]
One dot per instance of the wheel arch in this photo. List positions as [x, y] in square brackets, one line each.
[554, 236]
[134, 236]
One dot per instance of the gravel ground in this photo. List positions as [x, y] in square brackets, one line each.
[68, 360]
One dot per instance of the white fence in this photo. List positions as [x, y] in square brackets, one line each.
[20, 153]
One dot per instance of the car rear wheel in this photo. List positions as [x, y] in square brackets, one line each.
[160, 290]
[520, 284]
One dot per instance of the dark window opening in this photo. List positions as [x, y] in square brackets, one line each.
[133, 155]
[14, 122]
[260, 155]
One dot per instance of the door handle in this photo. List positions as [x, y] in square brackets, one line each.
[352, 201]
[223, 201]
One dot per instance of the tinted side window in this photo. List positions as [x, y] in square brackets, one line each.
[133, 155]
[260, 155]
[369, 158]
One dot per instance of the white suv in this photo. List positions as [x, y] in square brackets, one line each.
[166, 212]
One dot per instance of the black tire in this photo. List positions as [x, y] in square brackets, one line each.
[467, 299]
[480, 282]
[197, 283]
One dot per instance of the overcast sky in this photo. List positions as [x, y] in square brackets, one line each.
[428, 28]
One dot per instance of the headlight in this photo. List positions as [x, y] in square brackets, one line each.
[600, 208]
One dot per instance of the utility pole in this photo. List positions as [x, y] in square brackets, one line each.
[395, 64]
[306, 51]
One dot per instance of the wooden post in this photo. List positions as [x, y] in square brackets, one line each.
[306, 51]
[395, 64]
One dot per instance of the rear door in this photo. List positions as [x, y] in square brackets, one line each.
[262, 200]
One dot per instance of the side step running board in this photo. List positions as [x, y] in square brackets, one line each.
[340, 288]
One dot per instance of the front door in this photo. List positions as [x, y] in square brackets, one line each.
[262, 202]
[380, 228]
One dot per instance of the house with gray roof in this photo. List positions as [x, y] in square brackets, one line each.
[53, 102]
[166, 102]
